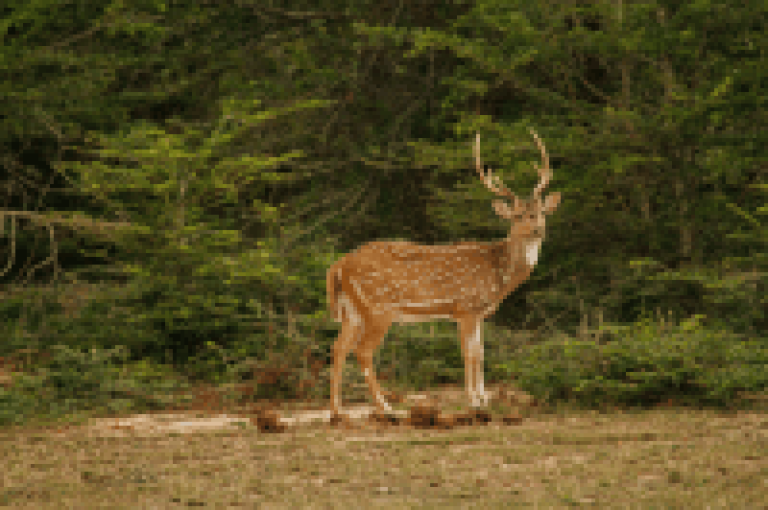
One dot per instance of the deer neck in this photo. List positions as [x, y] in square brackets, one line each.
[522, 253]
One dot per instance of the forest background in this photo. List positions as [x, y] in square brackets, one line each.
[177, 178]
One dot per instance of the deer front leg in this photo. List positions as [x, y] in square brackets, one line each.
[471, 330]
[482, 396]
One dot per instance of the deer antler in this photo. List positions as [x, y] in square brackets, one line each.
[492, 182]
[545, 173]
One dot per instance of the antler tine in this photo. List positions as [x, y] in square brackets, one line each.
[545, 172]
[492, 182]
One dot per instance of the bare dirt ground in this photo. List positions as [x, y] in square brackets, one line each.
[665, 458]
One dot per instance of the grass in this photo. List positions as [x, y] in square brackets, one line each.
[664, 458]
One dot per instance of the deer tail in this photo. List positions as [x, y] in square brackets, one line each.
[333, 285]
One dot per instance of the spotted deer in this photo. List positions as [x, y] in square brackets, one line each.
[393, 281]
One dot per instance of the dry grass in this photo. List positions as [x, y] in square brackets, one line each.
[664, 458]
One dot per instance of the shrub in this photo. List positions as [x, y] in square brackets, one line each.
[647, 364]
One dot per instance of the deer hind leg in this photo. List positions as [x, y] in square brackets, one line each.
[375, 332]
[352, 328]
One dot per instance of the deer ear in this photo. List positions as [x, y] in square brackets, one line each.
[502, 209]
[551, 202]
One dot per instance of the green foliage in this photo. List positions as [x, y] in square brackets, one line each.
[79, 377]
[105, 321]
[71, 380]
[25, 312]
[735, 298]
[647, 363]
[424, 355]
[22, 401]
[194, 275]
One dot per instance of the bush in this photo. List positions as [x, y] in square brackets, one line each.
[73, 380]
[19, 402]
[650, 363]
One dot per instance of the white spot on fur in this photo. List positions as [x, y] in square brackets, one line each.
[383, 402]
[532, 252]
[346, 304]
[405, 318]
